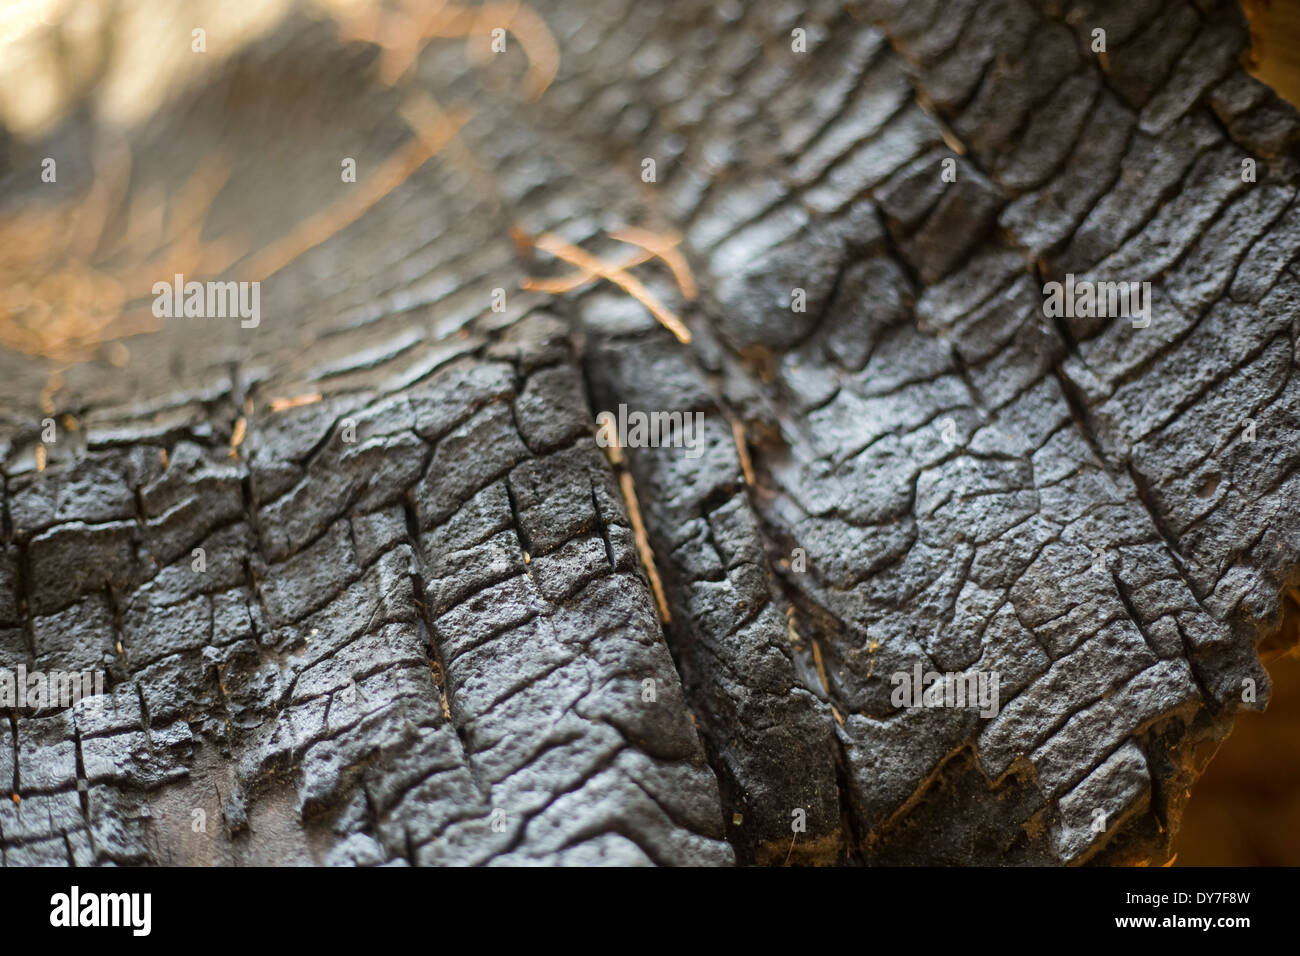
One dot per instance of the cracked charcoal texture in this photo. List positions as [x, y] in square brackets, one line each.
[437, 643]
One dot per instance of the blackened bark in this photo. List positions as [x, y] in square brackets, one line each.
[423, 631]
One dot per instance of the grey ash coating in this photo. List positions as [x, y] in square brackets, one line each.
[401, 640]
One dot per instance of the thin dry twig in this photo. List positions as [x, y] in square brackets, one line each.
[593, 268]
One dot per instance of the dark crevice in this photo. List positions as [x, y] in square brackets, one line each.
[849, 824]
[1170, 539]
[1126, 599]
[13, 738]
[1078, 405]
[604, 527]
[424, 620]
[82, 782]
[24, 598]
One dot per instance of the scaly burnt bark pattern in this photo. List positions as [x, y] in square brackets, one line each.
[423, 632]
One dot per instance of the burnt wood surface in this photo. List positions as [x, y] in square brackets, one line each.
[436, 644]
